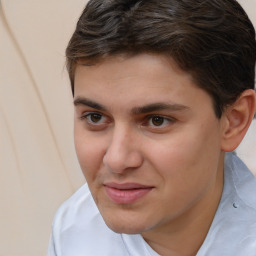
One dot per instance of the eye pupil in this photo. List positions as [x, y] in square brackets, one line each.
[157, 120]
[95, 118]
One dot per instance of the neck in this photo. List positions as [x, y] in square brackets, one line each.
[184, 235]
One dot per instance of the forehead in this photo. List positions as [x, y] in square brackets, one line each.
[143, 78]
[125, 61]
[141, 67]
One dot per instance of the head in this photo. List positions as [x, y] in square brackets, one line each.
[154, 82]
[213, 40]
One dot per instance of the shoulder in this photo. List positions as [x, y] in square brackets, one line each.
[78, 229]
[233, 231]
[241, 183]
[80, 203]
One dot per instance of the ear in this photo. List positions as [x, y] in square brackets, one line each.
[237, 119]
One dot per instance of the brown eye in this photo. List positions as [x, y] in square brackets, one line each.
[157, 120]
[95, 121]
[95, 118]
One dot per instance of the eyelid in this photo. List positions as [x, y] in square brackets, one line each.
[90, 112]
[87, 114]
[144, 123]
[169, 120]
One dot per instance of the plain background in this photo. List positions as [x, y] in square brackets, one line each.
[38, 166]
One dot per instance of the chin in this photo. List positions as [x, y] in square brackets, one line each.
[126, 219]
[125, 227]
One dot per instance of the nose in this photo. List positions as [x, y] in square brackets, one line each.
[123, 152]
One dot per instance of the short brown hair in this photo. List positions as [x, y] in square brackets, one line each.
[213, 40]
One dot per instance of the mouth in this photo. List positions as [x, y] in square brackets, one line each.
[126, 193]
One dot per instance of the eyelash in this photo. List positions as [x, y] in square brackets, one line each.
[145, 123]
[165, 126]
[89, 115]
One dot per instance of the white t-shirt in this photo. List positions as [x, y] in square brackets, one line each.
[79, 230]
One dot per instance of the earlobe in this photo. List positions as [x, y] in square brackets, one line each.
[238, 118]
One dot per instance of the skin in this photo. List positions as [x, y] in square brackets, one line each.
[143, 120]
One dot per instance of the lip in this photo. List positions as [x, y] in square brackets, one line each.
[126, 193]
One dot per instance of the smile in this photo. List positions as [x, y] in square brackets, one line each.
[127, 193]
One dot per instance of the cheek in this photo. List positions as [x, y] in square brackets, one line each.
[89, 152]
[188, 157]
[186, 171]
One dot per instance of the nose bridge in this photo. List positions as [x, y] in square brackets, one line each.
[122, 151]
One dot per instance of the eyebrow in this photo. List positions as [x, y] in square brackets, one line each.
[159, 106]
[86, 102]
[137, 110]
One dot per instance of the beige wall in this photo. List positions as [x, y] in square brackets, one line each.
[38, 167]
[247, 149]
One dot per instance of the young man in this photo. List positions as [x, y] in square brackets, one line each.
[162, 90]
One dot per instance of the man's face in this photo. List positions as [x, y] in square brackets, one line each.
[148, 142]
